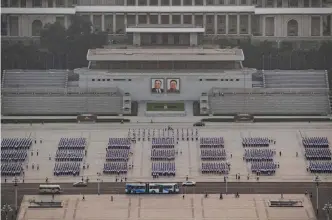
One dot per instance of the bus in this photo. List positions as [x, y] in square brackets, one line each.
[51, 189]
[152, 188]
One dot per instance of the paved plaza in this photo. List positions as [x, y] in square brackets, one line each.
[162, 207]
[287, 136]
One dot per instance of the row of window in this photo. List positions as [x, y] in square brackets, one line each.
[70, 3]
[12, 23]
[122, 80]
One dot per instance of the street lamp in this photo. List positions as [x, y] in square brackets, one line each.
[317, 180]
[15, 181]
[327, 208]
[226, 185]
[98, 183]
[6, 209]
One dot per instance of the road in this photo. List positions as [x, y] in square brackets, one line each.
[325, 190]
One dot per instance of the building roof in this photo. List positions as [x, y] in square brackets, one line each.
[190, 54]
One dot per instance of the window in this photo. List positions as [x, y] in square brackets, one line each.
[176, 2]
[13, 25]
[292, 28]
[279, 3]
[97, 23]
[119, 79]
[327, 25]
[244, 23]
[315, 26]
[142, 19]
[209, 2]
[269, 26]
[131, 2]
[36, 3]
[153, 19]
[37, 26]
[269, 3]
[59, 3]
[198, 2]
[165, 19]
[293, 3]
[108, 80]
[237, 80]
[14, 3]
[23, 3]
[221, 24]
[93, 80]
[98, 79]
[243, 2]
[187, 2]
[232, 2]
[231, 80]
[165, 2]
[187, 19]
[50, 3]
[232, 24]
[176, 19]
[256, 25]
[306, 3]
[142, 2]
[103, 80]
[153, 2]
[315, 4]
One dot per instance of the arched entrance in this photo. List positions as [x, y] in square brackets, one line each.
[292, 28]
[37, 26]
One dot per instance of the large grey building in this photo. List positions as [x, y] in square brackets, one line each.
[173, 21]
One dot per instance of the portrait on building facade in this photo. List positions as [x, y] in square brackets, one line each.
[157, 86]
[173, 85]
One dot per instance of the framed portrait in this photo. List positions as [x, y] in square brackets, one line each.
[157, 86]
[173, 85]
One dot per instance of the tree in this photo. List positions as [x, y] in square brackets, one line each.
[69, 47]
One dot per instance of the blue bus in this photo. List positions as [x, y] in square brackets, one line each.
[152, 188]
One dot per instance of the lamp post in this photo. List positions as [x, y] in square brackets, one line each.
[6, 209]
[327, 208]
[15, 181]
[226, 185]
[98, 182]
[317, 180]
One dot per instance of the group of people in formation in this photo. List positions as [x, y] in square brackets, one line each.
[150, 133]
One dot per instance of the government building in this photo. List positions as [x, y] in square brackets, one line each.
[175, 22]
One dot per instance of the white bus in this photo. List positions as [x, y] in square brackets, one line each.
[52, 189]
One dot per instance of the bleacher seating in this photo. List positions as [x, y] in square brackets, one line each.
[67, 168]
[119, 143]
[72, 143]
[215, 168]
[11, 169]
[295, 79]
[263, 167]
[256, 142]
[69, 155]
[162, 154]
[315, 142]
[35, 78]
[163, 142]
[163, 169]
[69, 101]
[115, 168]
[258, 154]
[320, 166]
[117, 155]
[267, 101]
[213, 154]
[211, 142]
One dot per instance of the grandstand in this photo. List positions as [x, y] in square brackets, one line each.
[295, 79]
[34, 78]
[67, 101]
[269, 101]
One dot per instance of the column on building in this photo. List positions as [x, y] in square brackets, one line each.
[193, 39]
[137, 39]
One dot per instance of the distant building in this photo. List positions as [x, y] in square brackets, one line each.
[160, 22]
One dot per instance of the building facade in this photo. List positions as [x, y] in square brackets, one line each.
[259, 19]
